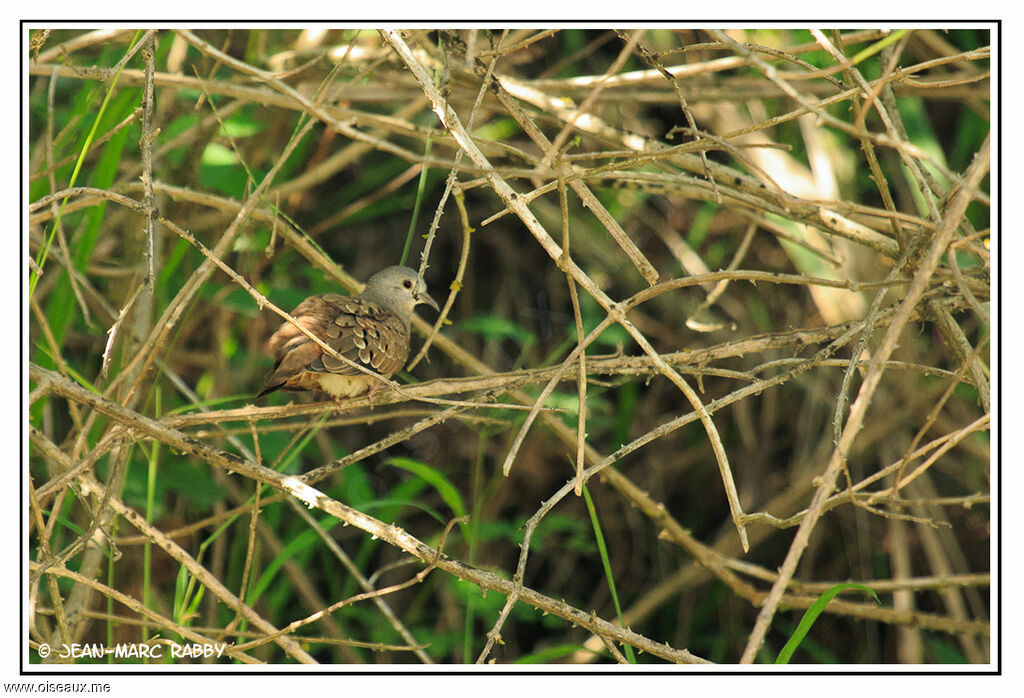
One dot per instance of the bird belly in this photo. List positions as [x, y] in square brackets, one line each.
[339, 386]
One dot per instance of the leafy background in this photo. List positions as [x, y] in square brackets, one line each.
[184, 187]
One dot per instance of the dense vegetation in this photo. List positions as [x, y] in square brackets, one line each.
[773, 244]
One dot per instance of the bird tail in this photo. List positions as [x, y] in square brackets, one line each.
[268, 389]
[272, 381]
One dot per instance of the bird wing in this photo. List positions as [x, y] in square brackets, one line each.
[359, 330]
[366, 334]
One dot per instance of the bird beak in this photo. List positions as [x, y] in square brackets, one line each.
[424, 297]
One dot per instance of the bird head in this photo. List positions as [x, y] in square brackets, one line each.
[400, 288]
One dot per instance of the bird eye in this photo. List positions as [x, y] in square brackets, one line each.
[407, 283]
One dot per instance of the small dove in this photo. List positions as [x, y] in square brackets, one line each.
[371, 329]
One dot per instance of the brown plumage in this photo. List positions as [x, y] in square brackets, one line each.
[371, 330]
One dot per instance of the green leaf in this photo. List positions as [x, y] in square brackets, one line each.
[812, 614]
[447, 490]
[497, 328]
[606, 563]
[216, 155]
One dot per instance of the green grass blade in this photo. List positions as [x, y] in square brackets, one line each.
[446, 489]
[44, 250]
[603, 550]
[812, 614]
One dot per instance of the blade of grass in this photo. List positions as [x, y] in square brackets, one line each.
[147, 550]
[449, 493]
[603, 551]
[44, 250]
[812, 614]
